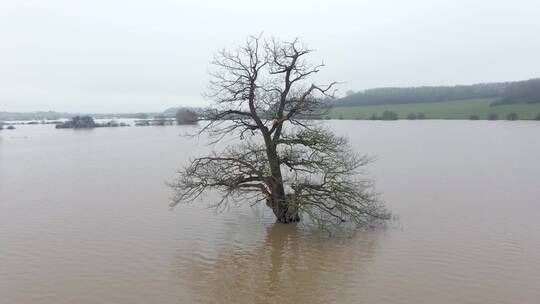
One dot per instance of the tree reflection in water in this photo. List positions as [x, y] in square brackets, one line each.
[291, 265]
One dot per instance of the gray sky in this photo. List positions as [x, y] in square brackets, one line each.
[131, 55]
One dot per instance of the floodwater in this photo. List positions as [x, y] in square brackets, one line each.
[84, 218]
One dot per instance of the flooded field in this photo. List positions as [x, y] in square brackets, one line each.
[84, 218]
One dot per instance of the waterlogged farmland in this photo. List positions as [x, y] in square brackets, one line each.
[458, 109]
[84, 218]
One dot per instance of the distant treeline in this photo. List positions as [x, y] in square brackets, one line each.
[506, 93]
[40, 115]
[51, 115]
[520, 92]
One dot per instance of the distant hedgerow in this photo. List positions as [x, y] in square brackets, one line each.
[493, 116]
[512, 116]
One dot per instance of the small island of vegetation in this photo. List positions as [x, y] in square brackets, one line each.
[9, 127]
[87, 122]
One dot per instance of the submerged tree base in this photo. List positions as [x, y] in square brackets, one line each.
[288, 220]
[285, 210]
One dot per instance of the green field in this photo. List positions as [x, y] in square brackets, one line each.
[458, 109]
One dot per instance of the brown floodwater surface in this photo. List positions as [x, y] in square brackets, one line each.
[84, 218]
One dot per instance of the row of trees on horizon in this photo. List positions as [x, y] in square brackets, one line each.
[527, 91]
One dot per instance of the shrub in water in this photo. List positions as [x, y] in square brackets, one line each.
[512, 116]
[389, 115]
[492, 116]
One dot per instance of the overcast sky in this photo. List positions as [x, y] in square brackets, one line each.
[130, 55]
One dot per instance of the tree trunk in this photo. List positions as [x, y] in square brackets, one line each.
[279, 202]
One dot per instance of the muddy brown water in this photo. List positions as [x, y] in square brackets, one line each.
[84, 218]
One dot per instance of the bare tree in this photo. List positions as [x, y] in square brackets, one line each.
[285, 159]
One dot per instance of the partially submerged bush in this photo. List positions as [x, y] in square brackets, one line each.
[474, 117]
[113, 124]
[386, 115]
[421, 116]
[412, 116]
[160, 120]
[142, 123]
[537, 117]
[512, 116]
[493, 116]
[389, 115]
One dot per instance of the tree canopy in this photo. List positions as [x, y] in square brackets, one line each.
[296, 166]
